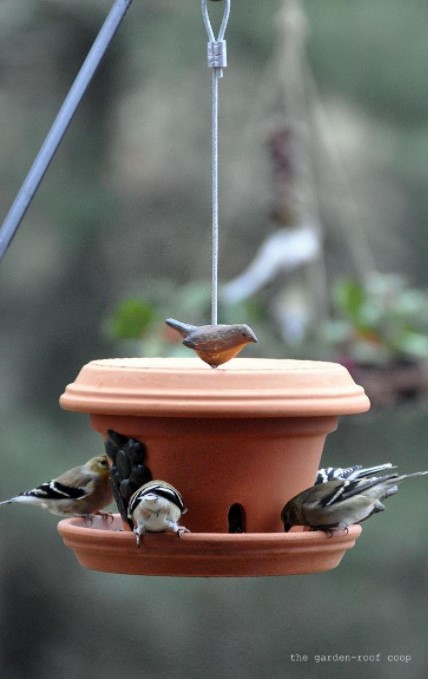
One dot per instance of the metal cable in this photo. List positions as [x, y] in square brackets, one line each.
[217, 60]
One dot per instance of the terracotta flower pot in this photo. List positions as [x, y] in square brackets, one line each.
[238, 442]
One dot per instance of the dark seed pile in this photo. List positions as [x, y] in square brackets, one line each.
[128, 470]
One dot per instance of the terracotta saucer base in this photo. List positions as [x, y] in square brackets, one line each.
[105, 546]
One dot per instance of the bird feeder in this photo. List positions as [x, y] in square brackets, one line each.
[238, 441]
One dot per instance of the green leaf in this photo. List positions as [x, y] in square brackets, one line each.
[349, 297]
[131, 319]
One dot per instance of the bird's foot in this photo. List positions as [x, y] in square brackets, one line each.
[106, 515]
[180, 530]
[328, 531]
[138, 537]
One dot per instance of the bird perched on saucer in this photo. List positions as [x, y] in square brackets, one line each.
[335, 505]
[214, 344]
[156, 507]
[350, 473]
[81, 491]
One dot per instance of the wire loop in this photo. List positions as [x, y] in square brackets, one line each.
[207, 22]
[217, 49]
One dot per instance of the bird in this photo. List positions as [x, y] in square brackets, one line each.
[80, 491]
[335, 505]
[128, 468]
[214, 344]
[156, 507]
[351, 473]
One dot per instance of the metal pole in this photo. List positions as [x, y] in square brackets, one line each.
[60, 125]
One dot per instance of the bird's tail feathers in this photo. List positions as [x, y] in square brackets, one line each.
[23, 499]
[361, 472]
[398, 479]
[182, 328]
[349, 488]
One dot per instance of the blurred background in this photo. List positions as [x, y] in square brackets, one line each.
[323, 212]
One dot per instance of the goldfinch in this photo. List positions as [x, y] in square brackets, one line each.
[81, 491]
[350, 473]
[156, 507]
[335, 505]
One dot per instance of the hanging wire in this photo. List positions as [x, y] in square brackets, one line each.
[217, 60]
[60, 125]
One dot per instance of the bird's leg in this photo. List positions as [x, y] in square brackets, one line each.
[331, 531]
[139, 532]
[328, 531]
[89, 519]
[106, 515]
[182, 530]
[178, 529]
[343, 527]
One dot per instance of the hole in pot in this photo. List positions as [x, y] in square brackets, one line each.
[236, 519]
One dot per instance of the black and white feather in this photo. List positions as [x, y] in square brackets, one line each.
[156, 507]
[337, 504]
[128, 469]
[350, 473]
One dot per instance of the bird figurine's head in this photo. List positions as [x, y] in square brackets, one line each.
[246, 334]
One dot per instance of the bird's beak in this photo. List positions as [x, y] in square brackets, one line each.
[253, 338]
[287, 527]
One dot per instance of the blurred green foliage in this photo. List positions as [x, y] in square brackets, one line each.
[131, 320]
[381, 322]
[143, 318]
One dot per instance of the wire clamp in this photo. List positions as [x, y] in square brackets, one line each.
[217, 54]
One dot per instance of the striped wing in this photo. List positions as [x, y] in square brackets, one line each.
[54, 490]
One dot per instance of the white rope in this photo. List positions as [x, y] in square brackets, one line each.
[217, 60]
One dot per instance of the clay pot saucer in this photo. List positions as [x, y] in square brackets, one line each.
[105, 547]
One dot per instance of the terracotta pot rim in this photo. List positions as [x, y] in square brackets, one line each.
[103, 546]
[187, 387]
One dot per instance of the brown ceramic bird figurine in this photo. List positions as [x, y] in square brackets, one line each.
[214, 344]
